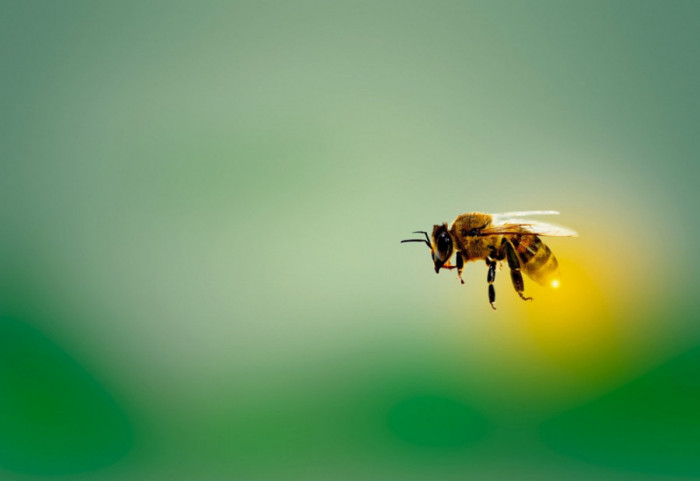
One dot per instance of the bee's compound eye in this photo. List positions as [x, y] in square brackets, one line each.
[444, 243]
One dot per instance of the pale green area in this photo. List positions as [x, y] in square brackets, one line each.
[202, 203]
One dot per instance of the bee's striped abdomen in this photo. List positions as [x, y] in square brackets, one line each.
[536, 260]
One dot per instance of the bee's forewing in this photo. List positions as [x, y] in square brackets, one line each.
[543, 228]
[513, 219]
[524, 213]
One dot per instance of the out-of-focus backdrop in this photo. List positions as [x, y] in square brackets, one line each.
[202, 203]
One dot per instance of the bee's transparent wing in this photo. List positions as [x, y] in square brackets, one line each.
[528, 228]
[511, 223]
[523, 213]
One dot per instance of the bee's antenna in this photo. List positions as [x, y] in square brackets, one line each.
[417, 240]
[427, 239]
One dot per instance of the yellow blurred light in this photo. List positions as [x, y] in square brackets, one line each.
[575, 327]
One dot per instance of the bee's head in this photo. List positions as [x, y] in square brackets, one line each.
[441, 247]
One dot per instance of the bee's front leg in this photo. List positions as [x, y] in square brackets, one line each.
[460, 266]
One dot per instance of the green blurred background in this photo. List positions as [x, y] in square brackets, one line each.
[202, 203]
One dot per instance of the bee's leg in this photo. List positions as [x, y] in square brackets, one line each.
[460, 266]
[515, 274]
[490, 277]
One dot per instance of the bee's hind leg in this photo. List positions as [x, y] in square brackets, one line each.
[515, 274]
[490, 277]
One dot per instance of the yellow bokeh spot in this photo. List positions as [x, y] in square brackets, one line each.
[570, 322]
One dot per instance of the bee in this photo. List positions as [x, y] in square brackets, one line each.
[495, 238]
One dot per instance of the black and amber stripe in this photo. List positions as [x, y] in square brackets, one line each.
[536, 260]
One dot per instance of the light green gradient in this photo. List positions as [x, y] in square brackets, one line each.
[202, 205]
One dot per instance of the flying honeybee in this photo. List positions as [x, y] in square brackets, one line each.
[495, 238]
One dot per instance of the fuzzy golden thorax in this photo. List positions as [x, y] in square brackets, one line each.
[473, 247]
